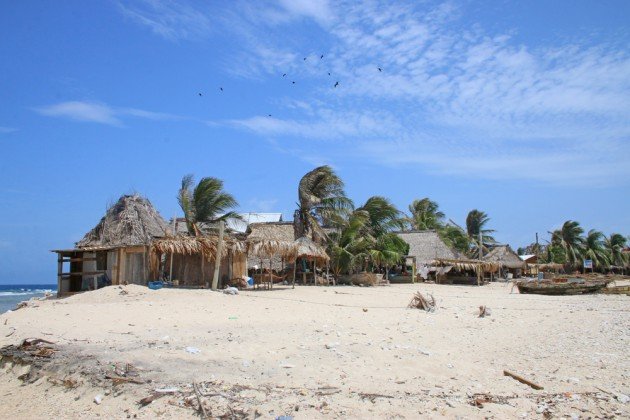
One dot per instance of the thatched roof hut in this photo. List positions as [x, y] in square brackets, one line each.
[265, 240]
[193, 245]
[132, 221]
[306, 248]
[467, 265]
[505, 257]
[427, 246]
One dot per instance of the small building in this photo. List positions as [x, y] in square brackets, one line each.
[116, 251]
[190, 260]
[510, 265]
[435, 259]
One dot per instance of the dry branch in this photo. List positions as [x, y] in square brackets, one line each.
[420, 302]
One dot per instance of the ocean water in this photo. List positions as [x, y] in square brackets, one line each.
[12, 294]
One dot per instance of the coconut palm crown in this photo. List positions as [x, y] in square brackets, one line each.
[321, 199]
[205, 204]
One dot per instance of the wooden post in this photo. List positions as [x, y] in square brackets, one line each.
[118, 264]
[170, 271]
[59, 271]
[217, 262]
[294, 270]
[271, 272]
[203, 277]
[314, 272]
[479, 273]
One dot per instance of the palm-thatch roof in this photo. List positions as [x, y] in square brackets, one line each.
[265, 240]
[427, 246]
[305, 247]
[506, 258]
[467, 265]
[131, 221]
[191, 245]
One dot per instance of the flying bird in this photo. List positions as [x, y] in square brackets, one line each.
[293, 82]
[336, 84]
[379, 69]
[200, 94]
[329, 73]
[269, 115]
[221, 89]
[284, 75]
[304, 58]
[321, 56]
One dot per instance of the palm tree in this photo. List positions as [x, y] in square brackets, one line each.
[614, 245]
[594, 249]
[569, 239]
[205, 204]
[383, 216]
[425, 214]
[456, 238]
[475, 224]
[321, 200]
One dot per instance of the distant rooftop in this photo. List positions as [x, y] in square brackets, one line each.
[239, 225]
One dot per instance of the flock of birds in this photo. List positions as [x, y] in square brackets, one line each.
[321, 57]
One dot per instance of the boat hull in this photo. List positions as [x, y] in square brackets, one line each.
[556, 289]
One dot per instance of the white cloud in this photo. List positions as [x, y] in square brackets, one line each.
[81, 111]
[458, 99]
[172, 20]
[6, 130]
[99, 113]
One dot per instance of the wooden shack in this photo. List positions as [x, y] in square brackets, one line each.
[116, 251]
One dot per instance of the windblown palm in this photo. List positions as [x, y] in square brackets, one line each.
[425, 214]
[321, 199]
[570, 239]
[203, 204]
[594, 249]
[614, 245]
[475, 223]
[456, 238]
[383, 216]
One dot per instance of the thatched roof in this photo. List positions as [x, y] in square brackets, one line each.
[305, 247]
[426, 246]
[504, 255]
[131, 221]
[471, 265]
[271, 239]
[191, 245]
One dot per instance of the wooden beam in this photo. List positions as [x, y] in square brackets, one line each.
[83, 273]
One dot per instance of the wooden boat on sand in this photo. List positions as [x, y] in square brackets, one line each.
[556, 287]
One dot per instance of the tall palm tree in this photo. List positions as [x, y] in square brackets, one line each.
[425, 214]
[456, 238]
[614, 245]
[204, 204]
[383, 216]
[595, 250]
[569, 238]
[475, 223]
[321, 199]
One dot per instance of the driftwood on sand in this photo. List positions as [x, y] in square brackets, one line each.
[421, 302]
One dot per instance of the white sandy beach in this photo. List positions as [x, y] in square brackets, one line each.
[322, 352]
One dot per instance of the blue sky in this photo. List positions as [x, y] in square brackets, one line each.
[520, 109]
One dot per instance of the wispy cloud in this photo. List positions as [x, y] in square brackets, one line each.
[6, 130]
[99, 113]
[170, 19]
[459, 100]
